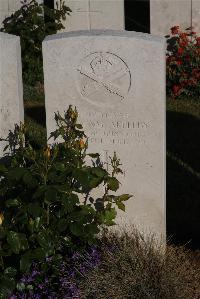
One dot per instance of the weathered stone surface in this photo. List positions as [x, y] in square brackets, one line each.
[95, 14]
[117, 82]
[166, 13]
[11, 91]
[196, 15]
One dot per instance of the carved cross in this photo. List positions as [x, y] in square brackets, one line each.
[89, 12]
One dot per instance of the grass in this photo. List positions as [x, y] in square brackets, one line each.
[183, 163]
[135, 268]
[35, 119]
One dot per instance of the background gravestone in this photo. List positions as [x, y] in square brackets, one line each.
[117, 81]
[11, 91]
[94, 14]
[166, 14]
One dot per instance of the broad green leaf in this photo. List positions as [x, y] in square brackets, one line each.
[7, 286]
[124, 197]
[13, 240]
[12, 203]
[3, 169]
[25, 261]
[11, 272]
[113, 183]
[5, 253]
[51, 194]
[59, 166]
[39, 192]
[91, 229]
[2, 232]
[29, 180]
[121, 205]
[39, 254]
[98, 171]
[94, 182]
[62, 225]
[16, 174]
[45, 241]
[23, 242]
[77, 229]
[70, 201]
[109, 216]
[34, 209]
[79, 126]
[17, 241]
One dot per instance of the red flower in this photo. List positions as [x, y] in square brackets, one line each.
[183, 43]
[176, 89]
[191, 82]
[179, 62]
[175, 30]
[180, 51]
[198, 41]
[196, 73]
[183, 35]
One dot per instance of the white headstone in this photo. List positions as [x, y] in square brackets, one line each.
[196, 15]
[11, 91]
[165, 14]
[116, 79]
[94, 14]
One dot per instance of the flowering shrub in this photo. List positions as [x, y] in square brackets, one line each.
[46, 201]
[183, 63]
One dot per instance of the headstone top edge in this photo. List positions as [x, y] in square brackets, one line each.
[8, 36]
[102, 33]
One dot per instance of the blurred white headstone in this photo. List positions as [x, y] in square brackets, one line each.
[11, 90]
[94, 14]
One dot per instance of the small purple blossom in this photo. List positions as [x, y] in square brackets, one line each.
[58, 280]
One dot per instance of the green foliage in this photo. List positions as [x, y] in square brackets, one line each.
[32, 22]
[47, 201]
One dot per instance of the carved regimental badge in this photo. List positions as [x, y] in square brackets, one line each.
[103, 78]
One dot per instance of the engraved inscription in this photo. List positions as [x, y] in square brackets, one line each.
[103, 78]
[115, 128]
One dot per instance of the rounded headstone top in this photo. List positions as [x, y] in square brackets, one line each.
[4, 35]
[102, 33]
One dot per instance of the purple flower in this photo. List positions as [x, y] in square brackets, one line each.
[40, 286]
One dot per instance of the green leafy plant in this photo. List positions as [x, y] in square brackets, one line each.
[32, 22]
[47, 201]
[183, 63]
